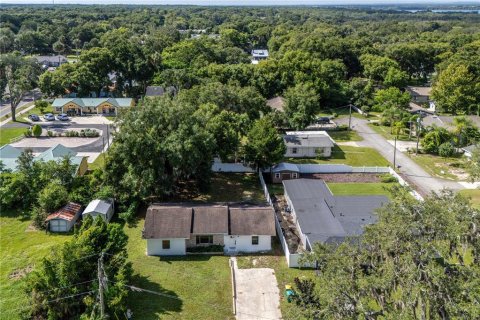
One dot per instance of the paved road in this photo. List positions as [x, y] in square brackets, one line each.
[5, 108]
[421, 180]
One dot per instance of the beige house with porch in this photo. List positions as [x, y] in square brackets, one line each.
[81, 106]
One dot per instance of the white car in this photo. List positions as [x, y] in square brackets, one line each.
[62, 117]
[49, 117]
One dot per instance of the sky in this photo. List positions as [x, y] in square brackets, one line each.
[241, 2]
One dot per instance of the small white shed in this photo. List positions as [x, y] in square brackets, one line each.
[63, 219]
[102, 208]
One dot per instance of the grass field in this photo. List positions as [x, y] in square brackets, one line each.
[341, 136]
[21, 249]
[474, 195]
[200, 286]
[353, 156]
[7, 134]
[448, 168]
[360, 189]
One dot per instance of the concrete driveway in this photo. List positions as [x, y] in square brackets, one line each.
[258, 297]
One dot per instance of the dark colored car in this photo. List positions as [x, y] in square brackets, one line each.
[322, 120]
[34, 117]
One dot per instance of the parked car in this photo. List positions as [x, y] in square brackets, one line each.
[322, 120]
[62, 117]
[49, 117]
[34, 117]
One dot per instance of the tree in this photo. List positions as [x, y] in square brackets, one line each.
[72, 270]
[264, 146]
[377, 67]
[395, 78]
[41, 105]
[20, 76]
[58, 47]
[417, 261]
[446, 150]
[454, 90]
[434, 138]
[473, 166]
[91, 72]
[391, 98]
[37, 130]
[302, 103]
[53, 196]
[180, 150]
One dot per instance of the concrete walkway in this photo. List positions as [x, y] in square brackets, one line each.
[258, 296]
[423, 182]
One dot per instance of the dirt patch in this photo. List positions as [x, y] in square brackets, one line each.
[20, 273]
[345, 177]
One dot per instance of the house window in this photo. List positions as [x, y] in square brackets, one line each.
[294, 175]
[205, 239]
[277, 175]
[254, 240]
[165, 244]
[294, 150]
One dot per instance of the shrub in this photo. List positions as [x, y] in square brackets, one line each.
[39, 215]
[342, 127]
[28, 133]
[388, 179]
[53, 196]
[50, 133]
[211, 248]
[41, 105]
[37, 130]
[446, 150]
[129, 214]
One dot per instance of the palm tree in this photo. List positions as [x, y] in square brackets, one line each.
[461, 123]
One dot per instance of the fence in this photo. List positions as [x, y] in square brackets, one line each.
[231, 167]
[338, 168]
[404, 183]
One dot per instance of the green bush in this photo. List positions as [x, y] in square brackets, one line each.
[38, 216]
[446, 150]
[53, 196]
[211, 248]
[50, 133]
[41, 105]
[342, 127]
[388, 179]
[28, 133]
[129, 214]
[37, 130]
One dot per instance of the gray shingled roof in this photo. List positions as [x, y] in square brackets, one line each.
[326, 218]
[252, 221]
[167, 222]
[308, 140]
[183, 219]
[210, 219]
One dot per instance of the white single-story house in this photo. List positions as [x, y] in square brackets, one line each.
[102, 208]
[308, 144]
[171, 229]
[63, 219]
[51, 61]
[80, 106]
[320, 216]
[259, 55]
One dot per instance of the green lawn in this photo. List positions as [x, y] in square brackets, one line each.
[347, 135]
[353, 156]
[21, 249]
[7, 134]
[37, 111]
[474, 195]
[200, 284]
[448, 168]
[360, 189]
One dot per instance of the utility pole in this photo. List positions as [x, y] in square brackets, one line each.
[419, 120]
[350, 118]
[395, 154]
[108, 136]
[100, 286]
